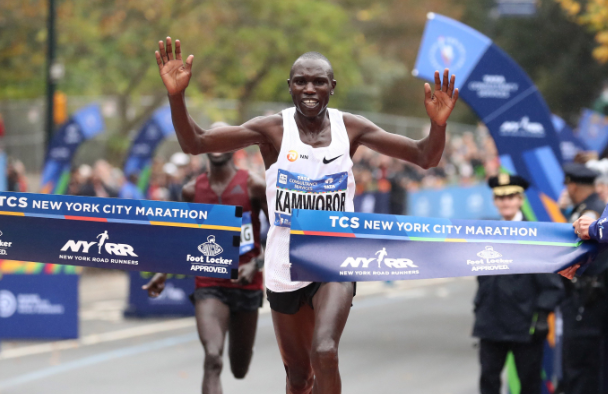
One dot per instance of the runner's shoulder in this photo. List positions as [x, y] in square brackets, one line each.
[265, 124]
[357, 123]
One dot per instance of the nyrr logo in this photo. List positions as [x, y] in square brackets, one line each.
[364, 262]
[110, 248]
[523, 128]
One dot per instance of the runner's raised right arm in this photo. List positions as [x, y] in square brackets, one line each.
[192, 138]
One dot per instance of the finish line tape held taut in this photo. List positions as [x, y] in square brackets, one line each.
[344, 246]
[138, 235]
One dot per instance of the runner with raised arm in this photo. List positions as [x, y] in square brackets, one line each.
[225, 307]
[307, 152]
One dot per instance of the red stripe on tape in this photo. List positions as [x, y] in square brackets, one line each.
[328, 234]
[87, 219]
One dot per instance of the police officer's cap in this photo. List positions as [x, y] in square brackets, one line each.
[506, 185]
[579, 173]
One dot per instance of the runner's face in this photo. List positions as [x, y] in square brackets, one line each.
[310, 86]
[219, 159]
[508, 205]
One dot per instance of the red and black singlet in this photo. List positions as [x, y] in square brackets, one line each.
[236, 193]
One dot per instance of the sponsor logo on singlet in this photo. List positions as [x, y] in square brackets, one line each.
[297, 191]
[292, 156]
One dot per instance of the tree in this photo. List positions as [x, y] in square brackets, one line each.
[22, 58]
[594, 16]
[554, 52]
[393, 29]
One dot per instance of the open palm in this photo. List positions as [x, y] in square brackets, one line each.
[174, 73]
[439, 105]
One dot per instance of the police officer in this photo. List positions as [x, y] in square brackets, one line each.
[584, 308]
[511, 310]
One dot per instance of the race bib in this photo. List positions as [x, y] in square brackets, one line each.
[247, 240]
[297, 191]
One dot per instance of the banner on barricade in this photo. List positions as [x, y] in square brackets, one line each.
[507, 102]
[346, 246]
[38, 301]
[135, 235]
[83, 125]
[173, 301]
[457, 202]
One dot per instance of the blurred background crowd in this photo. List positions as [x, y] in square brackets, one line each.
[469, 158]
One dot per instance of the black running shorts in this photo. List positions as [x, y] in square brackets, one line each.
[290, 302]
[238, 300]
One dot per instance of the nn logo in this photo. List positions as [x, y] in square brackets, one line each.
[292, 156]
[390, 263]
[110, 248]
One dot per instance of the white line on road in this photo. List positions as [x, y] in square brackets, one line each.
[94, 339]
[155, 328]
[143, 348]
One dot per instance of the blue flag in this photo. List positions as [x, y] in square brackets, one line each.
[506, 100]
[83, 125]
[593, 130]
[153, 132]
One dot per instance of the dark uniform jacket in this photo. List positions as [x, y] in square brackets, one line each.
[506, 305]
[585, 307]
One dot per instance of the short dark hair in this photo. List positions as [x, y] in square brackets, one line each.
[314, 56]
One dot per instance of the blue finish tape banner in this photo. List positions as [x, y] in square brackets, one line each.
[83, 125]
[136, 235]
[39, 306]
[173, 301]
[508, 103]
[346, 246]
[154, 131]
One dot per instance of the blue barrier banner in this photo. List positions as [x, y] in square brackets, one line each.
[475, 202]
[144, 145]
[508, 103]
[83, 125]
[346, 246]
[39, 306]
[593, 130]
[173, 301]
[137, 235]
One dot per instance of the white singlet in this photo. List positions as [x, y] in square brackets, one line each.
[306, 178]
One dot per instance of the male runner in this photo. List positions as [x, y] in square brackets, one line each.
[102, 238]
[222, 305]
[307, 152]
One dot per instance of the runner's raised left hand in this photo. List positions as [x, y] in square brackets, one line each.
[439, 104]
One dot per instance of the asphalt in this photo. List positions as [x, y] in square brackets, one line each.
[411, 337]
